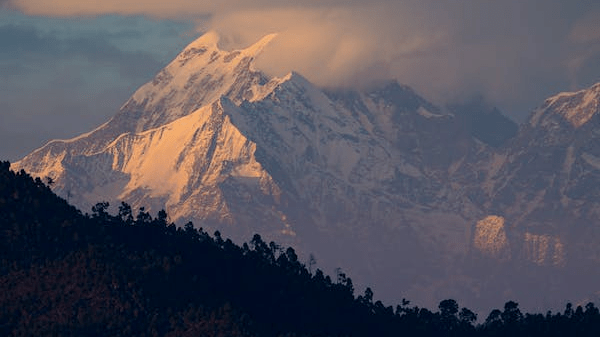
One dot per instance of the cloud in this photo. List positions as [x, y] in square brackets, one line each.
[173, 9]
[587, 28]
[25, 45]
[513, 52]
[331, 46]
[583, 65]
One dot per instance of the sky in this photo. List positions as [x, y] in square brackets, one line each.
[66, 66]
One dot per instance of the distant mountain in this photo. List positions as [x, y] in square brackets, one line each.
[543, 183]
[405, 195]
[539, 194]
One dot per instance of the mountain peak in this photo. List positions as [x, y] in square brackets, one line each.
[258, 46]
[199, 75]
[208, 39]
[577, 107]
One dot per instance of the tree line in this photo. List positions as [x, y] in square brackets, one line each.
[65, 273]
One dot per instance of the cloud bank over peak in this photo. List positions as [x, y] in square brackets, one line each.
[514, 53]
[331, 46]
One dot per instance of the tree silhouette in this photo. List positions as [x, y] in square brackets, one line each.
[72, 274]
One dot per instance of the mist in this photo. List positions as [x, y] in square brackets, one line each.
[513, 53]
[505, 52]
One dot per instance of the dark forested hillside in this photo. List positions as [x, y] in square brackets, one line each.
[64, 273]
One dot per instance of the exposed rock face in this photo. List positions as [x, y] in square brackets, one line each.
[401, 194]
[544, 249]
[490, 238]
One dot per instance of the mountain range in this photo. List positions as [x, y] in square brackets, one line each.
[420, 201]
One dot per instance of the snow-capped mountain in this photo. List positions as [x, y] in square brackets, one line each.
[539, 196]
[544, 182]
[402, 194]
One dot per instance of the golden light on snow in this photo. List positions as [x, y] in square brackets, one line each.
[490, 237]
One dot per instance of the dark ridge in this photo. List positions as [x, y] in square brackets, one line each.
[64, 273]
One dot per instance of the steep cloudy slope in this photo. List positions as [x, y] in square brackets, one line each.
[400, 193]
